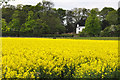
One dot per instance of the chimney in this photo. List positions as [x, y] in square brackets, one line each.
[77, 25]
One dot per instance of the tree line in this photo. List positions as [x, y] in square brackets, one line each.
[42, 19]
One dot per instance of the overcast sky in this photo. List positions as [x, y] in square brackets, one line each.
[70, 4]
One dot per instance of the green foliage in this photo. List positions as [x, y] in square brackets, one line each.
[94, 38]
[47, 5]
[105, 11]
[57, 35]
[28, 20]
[30, 15]
[4, 26]
[92, 25]
[7, 12]
[60, 29]
[40, 27]
[112, 17]
[53, 22]
[83, 33]
[15, 23]
[104, 24]
[118, 11]
[29, 26]
[113, 30]
[62, 13]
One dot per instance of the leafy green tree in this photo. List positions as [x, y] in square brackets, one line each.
[47, 5]
[118, 11]
[52, 20]
[61, 13]
[26, 8]
[103, 13]
[96, 9]
[112, 17]
[40, 28]
[44, 19]
[60, 28]
[77, 14]
[38, 7]
[5, 28]
[30, 22]
[7, 12]
[83, 33]
[37, 27]
[92, 25]
[22, 14]
[15, 23]
[29, 26]
[84, 14]
[45, 29]
[104, 24]
[111, 31]
[69, 22]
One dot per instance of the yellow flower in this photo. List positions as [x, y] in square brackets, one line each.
[22, 57]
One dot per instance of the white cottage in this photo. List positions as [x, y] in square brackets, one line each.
[79, 29]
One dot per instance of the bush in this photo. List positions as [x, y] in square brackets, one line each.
[92, 24]
[83, 33]
[56, 35]
[26, 34]
[111, 31]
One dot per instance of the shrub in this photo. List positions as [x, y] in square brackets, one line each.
[111, 31]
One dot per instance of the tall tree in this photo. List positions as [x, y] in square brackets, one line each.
[37, 27]
[118, 11]
[69, 22]
[7, 12]
[92, 25]
[40, 28]
[30, 22]
[15, 23]
[4, 26]
[104, 24]
[26, 8]
[61, 13]
[53, 21]
[79, 16]
[38, 7]
[47, 5]
[85, 13]
[112, 17]
[104, 12]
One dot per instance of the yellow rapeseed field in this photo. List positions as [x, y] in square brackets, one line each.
[55, 58]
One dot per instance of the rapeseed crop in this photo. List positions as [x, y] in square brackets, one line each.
[55, 58]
